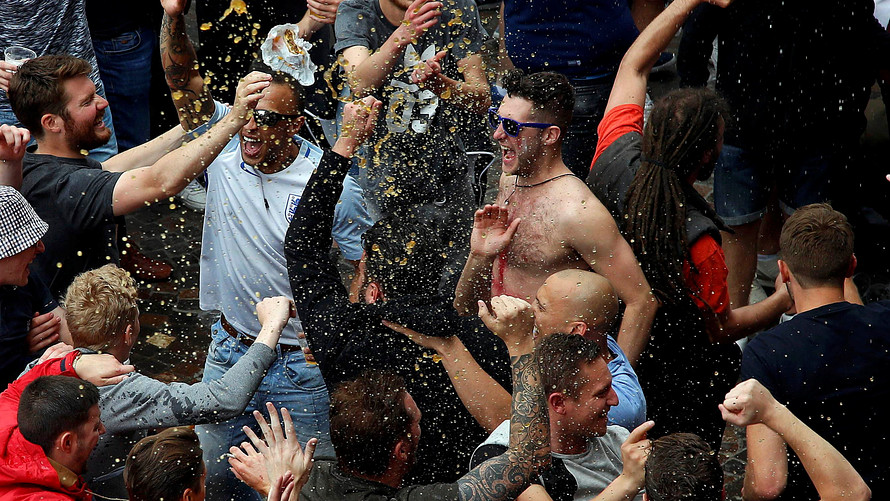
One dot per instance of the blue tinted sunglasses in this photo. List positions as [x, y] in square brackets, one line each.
[511, 127]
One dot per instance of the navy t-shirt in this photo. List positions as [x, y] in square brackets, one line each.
[75, 197]
[829, 366]
[578, 39]
[17, 307]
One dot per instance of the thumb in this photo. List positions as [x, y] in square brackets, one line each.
[511, 230]
[439, 56]
[484, 314]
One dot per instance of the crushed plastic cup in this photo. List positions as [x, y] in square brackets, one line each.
[284, 50]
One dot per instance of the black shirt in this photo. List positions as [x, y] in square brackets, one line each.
[17, 307]
[348, 338]
[829, 366]
[75, 197]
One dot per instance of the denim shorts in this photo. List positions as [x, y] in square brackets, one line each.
[744, 179]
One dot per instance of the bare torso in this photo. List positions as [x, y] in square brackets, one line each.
[545, 241]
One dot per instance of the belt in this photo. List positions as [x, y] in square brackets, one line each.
[248, 340]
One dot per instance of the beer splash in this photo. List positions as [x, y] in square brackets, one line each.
[237, 6]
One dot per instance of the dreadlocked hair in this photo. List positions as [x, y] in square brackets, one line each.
[682, 127]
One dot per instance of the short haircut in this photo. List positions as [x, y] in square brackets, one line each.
[101, 303]
[560, 358]
[682, 466]
[163, 466]
[403, 255]
[551, 95]
[282, 78]
[52, 405]
[817, 245]
[368, 417]
[38, 88]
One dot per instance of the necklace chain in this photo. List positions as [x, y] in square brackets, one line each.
[539, 183]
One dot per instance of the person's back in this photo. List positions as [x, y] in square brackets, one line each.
[828, 363]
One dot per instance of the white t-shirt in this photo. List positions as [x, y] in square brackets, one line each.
[245, 221]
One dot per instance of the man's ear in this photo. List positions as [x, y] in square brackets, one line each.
[296, 125]
[851, 267]
[557, 402]
[188, 495]
[579, 328]
[402, 450]
[552, 135]
[65, 442]
[373, 293]
[128, 335]
[784, 271]
[52, 123]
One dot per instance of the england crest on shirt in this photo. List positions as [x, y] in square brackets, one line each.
[291, 207]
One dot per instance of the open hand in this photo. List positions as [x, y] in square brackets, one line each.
[492, 231]
[44, 331]
[281, 449]
[428, 69]
[101, 369]
[420, 16]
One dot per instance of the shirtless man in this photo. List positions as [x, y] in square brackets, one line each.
[547, 220]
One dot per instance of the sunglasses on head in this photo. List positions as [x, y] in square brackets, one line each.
[266, 118]
[511, 127]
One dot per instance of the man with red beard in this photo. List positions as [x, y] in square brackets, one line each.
[79, 197]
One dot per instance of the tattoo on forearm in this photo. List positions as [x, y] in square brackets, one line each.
[507, 475]
[180, 68]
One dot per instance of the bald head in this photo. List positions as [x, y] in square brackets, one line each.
[576, 301]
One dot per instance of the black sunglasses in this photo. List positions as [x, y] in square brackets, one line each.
[266, 118]
[511, 127]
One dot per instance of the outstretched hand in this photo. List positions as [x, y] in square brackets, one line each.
[748, 403]
[281, 450]
[512, 320]
[492, 231]
[420, 16]
[429, 342]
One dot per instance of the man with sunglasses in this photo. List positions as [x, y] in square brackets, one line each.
[253, 188]
[546, 219]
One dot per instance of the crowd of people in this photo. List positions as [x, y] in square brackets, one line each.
[587, 334]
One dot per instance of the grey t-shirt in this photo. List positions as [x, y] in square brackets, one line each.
[47, 27]
[416, 155]
[326, 482]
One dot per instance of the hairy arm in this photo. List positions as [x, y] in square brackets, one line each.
[506, 476]
[593, 235]
[191, 96]
[148, 153]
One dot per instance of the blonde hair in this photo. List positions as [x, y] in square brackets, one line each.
[101, 303]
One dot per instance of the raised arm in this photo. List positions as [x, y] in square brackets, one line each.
[506, 476]
[633, 73]
[191, 95]
[492, 232]
[471, 93]
[593, 234]
[173, 171]
[367, 71]
[750, 404]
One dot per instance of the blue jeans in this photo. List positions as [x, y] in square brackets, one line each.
[99, 154]
[125, 66]
[289, 383]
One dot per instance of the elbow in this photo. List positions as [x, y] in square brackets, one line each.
[764, 489]
[859, 492]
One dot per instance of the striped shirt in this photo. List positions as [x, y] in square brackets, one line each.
[47, 27]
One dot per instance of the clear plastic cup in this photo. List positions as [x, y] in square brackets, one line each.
[18, 55]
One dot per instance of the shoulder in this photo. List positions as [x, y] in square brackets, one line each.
[581, 209]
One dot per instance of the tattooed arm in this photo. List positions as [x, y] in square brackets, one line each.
[194, 105]
[506, 476]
